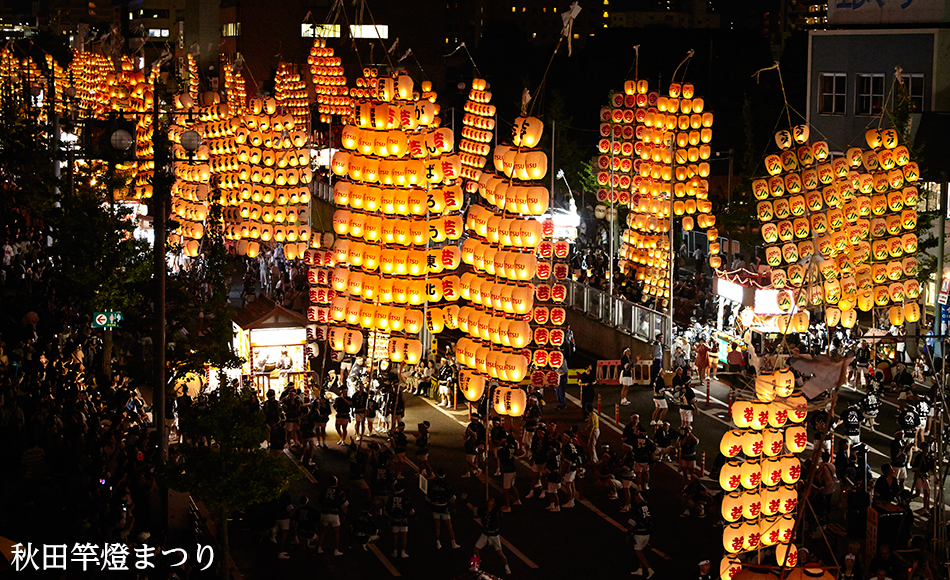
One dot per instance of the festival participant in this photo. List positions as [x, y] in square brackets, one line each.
[441, 496]
[640, 526]
[473, 441]
[342, 407]
[399, 510]
[399, 442]
[506, 458]
[422, 449]
[643, 450]
[687, 446]
[332, 503]
[490, 517]
[695, 496]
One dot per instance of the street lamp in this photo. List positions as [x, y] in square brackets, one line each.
[190, 141]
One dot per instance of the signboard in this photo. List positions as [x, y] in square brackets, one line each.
[434, 346]
[886, 11]
[944, 291]
[871, 536]
[106, 319]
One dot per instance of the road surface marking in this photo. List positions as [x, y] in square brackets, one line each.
[384, 560]
[299, 466]
[513, 549]
[597, 511]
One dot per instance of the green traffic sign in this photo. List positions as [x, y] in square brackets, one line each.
[106, 319]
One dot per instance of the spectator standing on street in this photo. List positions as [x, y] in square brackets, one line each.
[734, 358]
[593, 431]
[626, 376]
[702, 360]
[657, 357]
[587, 379]
[660, 405]
[473, 441]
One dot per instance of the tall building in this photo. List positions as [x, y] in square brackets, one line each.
[852, 66]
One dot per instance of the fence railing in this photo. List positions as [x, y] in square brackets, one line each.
[616, 312]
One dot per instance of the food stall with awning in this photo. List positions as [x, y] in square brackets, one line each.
[273, 342]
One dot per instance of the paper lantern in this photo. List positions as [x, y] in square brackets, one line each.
[742, 414]
[791, 470]
[731, 443]
[786, 555]
[752, 443]
[728, 568]
[798, 409]
[732, 507]
[800, 321]
[771, 500]
[772, 444]
[796, 438]
[733, 539]
[769, 528]
[760, 412]
[751, 471]
[896, 315]
[751, 504]
[472, 385]
[730, 476]
[911, 312]
[352, 341]
[751, 535]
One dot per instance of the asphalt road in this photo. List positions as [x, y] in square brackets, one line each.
[585, 541]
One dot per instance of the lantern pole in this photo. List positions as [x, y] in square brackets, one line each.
[610, 260]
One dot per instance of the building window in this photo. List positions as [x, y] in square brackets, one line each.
[320, 31]
[869, 94]
[369, 31]
[915, 89]
[158, 33]
[831, 93]
[231, 29]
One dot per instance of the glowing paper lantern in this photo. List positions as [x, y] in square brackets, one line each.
[730, 476]
[731, 443]
[796, 438]
[732, 507]
[791, 470]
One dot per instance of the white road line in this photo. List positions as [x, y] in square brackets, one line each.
[299, 466]
[384, 560]
[609, 519]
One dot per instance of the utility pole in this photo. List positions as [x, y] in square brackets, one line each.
[161, 184]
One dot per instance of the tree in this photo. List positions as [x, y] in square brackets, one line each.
[228, 471]
[99, 264]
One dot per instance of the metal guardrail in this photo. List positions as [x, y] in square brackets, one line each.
[623, 315]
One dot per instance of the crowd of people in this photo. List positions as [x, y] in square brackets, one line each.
[78, 449]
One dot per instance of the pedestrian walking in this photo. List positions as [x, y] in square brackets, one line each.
[640, 526]
[490, 517]
[441, 496]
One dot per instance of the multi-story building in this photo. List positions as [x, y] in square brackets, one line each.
[852, 65]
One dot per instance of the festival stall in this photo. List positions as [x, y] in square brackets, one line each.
[273, 342]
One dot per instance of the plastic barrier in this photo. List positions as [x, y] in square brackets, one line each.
[608, 372]
[641, 372]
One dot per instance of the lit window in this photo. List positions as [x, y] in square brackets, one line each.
[369, 31]
[576, 36]
[545, 9]
[231, 29]
[523, 8]
[869, 94]
[915, 89]
[512, 8]
[555, 9]
[831, 93]
[534, 35]
[320, 31]
[606, 14]
[158, 33]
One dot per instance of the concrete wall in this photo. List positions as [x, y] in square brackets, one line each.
[869, 51]
[603, 341]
